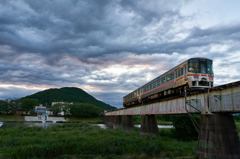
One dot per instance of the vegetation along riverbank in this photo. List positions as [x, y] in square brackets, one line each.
[81, 140]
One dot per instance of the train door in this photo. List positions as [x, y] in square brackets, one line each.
[185, 72]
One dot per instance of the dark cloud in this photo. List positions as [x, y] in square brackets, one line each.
[105, 47]
[84, 28]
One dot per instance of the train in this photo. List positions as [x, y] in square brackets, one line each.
[193, 74]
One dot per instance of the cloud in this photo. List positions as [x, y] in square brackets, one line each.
[106, 47]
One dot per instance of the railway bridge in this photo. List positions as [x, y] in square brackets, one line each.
[218, 136]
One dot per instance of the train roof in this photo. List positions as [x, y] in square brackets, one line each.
[167, 72]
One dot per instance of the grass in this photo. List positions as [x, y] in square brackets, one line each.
[21, 118]
[81, 140]
[238, 126]
[15, 117]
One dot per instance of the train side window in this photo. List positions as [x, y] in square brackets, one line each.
[181, 71]
[158, 82]
[179, 74]
[154, 85]
[151, 86]
[172, 76]
[168, 78]
[163, 80]
[176, 74]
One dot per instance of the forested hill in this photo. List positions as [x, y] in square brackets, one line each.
[68, 94]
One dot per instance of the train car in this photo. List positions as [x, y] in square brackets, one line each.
[194, 73]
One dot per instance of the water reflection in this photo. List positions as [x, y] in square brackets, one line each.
[159, 126]
[49, 124]
[100, 125]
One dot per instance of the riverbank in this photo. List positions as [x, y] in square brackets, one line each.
[21, 118]
[81, 140]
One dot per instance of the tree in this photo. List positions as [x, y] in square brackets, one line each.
[184, 128]
[66, 108]
[28, 104]
[4, 107]
[13, 105]
[56, 108]
[85, 110]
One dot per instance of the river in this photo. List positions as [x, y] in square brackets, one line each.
[46, 125]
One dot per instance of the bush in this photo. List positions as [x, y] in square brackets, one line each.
[237, 117]
[184, 128]
[85, 110]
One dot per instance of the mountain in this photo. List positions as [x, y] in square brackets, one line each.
[67, 94]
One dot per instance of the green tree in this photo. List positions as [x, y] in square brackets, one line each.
[184, 128]
[236, 117]
[4, 107]
[13, 105]
[85, 110]
[66, 108]
[56, 108]
[28, 104]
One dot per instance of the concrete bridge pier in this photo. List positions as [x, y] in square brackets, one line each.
[105, 119]
[218, 137]
[117, 122]
[148, 125]
[127, 124]
[102, 118]
[110, 122]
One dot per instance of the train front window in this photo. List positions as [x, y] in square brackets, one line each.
[200, 66]
[209, 67]
[193, 66]
[203, 66]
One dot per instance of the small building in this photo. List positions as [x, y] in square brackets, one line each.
[41, 107]
[42, 112]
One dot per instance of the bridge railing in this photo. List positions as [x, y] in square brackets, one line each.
[227, 102]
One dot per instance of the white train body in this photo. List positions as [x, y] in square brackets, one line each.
[195, 73]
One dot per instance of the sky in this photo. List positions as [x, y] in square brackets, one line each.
[111, 47]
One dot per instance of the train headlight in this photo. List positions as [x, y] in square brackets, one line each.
[210, 78]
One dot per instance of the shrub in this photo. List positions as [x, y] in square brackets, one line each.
[184, 128]
[85, 110]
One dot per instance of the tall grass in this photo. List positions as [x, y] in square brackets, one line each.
[11, 117]
[81, 140]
